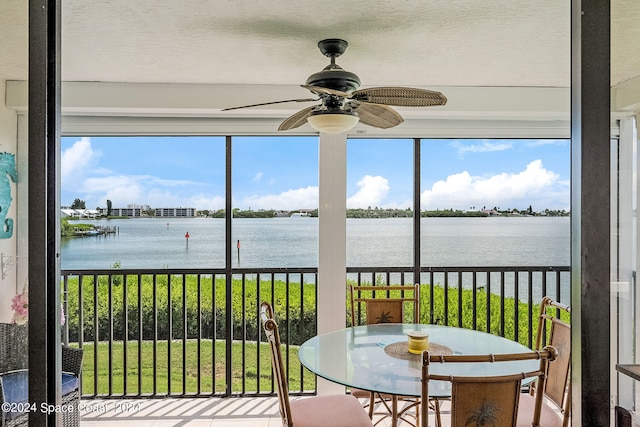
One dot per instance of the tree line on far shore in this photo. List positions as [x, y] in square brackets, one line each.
[386, 213]
[369, 212]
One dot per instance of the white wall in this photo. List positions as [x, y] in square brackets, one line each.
[14, 54]
[8, 246]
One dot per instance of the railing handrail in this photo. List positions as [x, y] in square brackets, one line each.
[240, 270]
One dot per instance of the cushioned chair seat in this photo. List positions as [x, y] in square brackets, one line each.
[549, 417]
[333, 410]
[15, 386]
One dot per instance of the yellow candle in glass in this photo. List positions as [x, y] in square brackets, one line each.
[418, 342]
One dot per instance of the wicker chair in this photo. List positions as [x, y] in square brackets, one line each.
[557, 391]
[14, 376]
[490, 400]
[338, 410]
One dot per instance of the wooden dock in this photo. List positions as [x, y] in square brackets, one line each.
[96, 231]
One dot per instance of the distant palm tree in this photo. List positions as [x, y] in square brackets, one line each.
[483, 416]
[384, 317]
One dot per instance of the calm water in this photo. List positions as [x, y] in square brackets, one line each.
[293, 242]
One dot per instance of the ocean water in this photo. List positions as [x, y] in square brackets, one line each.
[293, 242]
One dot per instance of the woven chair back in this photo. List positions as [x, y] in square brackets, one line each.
[14, 352]
[552, 330]
[485, 400]
[384, 304]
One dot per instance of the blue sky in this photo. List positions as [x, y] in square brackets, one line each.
[282, 172]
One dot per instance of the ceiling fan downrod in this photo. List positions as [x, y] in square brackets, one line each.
[333, 76]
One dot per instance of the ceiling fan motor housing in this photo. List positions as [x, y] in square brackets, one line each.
[334, 77]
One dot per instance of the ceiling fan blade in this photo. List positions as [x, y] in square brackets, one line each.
[270, 103]
[379, 116]
[297, 119]
[318, 90]
[400, 96]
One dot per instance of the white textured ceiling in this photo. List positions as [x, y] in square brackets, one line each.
[411, 42]
[498, 43]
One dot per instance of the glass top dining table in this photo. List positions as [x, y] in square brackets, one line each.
[374, 357]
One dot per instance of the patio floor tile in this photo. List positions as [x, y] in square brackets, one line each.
[186, 412]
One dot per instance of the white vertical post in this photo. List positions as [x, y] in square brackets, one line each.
[332, 241]
[622, 241]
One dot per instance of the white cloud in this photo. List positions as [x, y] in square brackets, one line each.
[83, 177]
[534, 186]
[299, 198]
[202, 201]
[76, 161]
[124, 190]
[407, 204]
[480, 147]
[373, 190]
[541, 142]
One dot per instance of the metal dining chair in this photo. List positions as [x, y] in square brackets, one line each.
[552, 330]
[485, 400]
[388, 308]
[339, 410]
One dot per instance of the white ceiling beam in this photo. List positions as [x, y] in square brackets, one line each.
[87, 98]
[625, 96]
[150, 108]
[411, 128]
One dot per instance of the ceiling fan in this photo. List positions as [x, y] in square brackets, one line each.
[343, 104]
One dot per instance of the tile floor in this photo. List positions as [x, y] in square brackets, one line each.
[191, 412]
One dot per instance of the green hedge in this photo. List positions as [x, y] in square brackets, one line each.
[184, 300]
[295, 329]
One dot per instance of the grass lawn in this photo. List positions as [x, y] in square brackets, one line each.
[212, 375]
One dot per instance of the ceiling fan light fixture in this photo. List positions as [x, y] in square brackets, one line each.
[333, 122]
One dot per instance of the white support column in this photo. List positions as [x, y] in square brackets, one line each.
[332, 240]
[622, 243]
